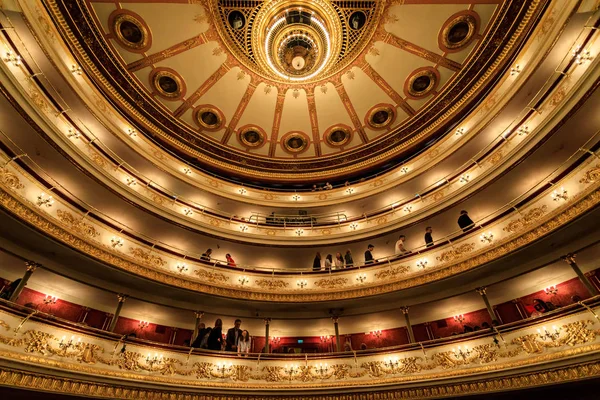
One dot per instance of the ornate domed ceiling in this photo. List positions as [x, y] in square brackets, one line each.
[294, 91]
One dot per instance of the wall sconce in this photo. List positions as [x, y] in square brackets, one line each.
[376, 333]
[486, 237]
[299, 232]
[187, 171]
[243, 227]
[188, 212]
[404, 170]
[50, 300]
[224, 368]
[296, 197]
[391, 362]
[116, 242]
[515, 70]
[459, 318]
[321, 369]
[182, 268]
[242, 191]
[143, 324]
[464, 179]
[350, 190]
[354, 226]
[130, 181]
[131, 132]
[552, 336]
[243, 280]
[291, 370]
[407, 209]
[12, 57]
[459, 131]
[325, 338]
[76, 70]
[560, 194]
[523, 130]
[42, 200]
[581, 56]
[275, 339]
[460, 353]
[361, 278]
[301, 283]
[154, 360]
[551, 290]
[66, 345]
[421, 263]
[73, 134]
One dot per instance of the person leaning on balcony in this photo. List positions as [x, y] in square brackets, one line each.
[201, 332]
[243, 346]
[399, 248]
[369, 255]
[328, 262]
[348, 259]
[465, 222]
[428, 237]
[339, 261]
[230, 260]
[206, 255]
[317, 262]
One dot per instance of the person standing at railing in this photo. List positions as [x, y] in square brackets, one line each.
[328, 262]
[348, 259]
[428, 237]
[465, 222]
[369, 255]
[233, 335]
[230, 260]
[243, 345]
[206, 255]
[317, 262]
[399, 248]
[339, 261]
[215, 338]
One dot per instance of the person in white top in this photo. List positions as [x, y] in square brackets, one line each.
[400, 245]
[243, 344]
[339, 261]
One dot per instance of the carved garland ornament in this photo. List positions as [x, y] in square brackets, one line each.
[527, 219]
[147, 257]
[456, 253]
[271, 284]
[331, 283]
[213, 277]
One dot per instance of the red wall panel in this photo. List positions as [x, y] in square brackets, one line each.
[508, 312]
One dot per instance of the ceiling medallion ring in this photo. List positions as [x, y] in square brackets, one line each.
[338, 135]
[251, 136]
[167, 83]
[209, 117]
[421, 82]
[295, 142]
[130, 31]
[459, 31]
[380, 116]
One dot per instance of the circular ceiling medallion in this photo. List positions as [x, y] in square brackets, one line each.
[381, 116]
[209, 117]
[251, 136]
[167, 83]
[295, 142]
[338, 135]
[458, 31]
[130, 31]
[421, 82]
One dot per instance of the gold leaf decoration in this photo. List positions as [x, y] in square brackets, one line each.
[331, 283]
[271, 284]
[147, 257]
[77, 224]
[10, 179]
[527, 219]
[456, 253]
[393, 272]
[591, 175]
[211, 276]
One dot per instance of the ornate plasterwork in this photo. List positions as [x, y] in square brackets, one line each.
[456, 252]
[77, 224]
[591, 175]
[42, 345]
[392, 273]
[527, 219]
[10, 179]
[331, 283]
[271, 284]
[147, 257]
[210, 276]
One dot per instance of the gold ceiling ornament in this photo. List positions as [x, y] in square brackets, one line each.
[167, 83]
[380, 116]
[209, 118]
[459, 31]
[421, 82]
[251, 136]
[130, 30]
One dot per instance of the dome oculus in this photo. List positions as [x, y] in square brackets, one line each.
[421, 82]
[167, 84]
[338, 135]
[381, 116]
[458, 31]
[209, 118]
[129, 31]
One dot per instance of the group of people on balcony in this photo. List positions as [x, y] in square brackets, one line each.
[236, 339]
[339, 262]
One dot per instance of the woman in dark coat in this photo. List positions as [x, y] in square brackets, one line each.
[317, 262]
[215, 338]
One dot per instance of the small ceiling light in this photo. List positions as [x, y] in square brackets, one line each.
[465, 178]
[13, 58]
[130, 181]
[187, 171]
[296, 197]
[243, 280]
[361, 278]
[73, 134]
[560, 194]
[42, 200]
[242, 191]
[422, 263]
[404, 170]
[515, 70]
[116, 241]
[551, 290]
[523, 130]
[181, 267]
[486, 237]
[188, 212]
[408, 209]
[354, 226]
[581, 55]
[301, 283]
[131, 132]
[459, 131]
[299, 232]
[76, 70]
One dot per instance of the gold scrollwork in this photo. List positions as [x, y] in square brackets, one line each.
[271, 284]
[527, 219]
[147, 257]
[331, 283]
[456, 253]
[591, 175]
[393, 272]
[10, 179]
[77, 224]
[211, 276]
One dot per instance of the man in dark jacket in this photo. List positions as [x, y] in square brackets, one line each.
[428, 236]
[465, 222]
[232, 336]
[369, 255]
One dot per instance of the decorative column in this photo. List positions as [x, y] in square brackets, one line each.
[570, 259]
[199, 315]
[411, 335]
[173, 335]
[482, 291]
[30, 266]
[267, 322]
[113, 323]
[337, 333]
